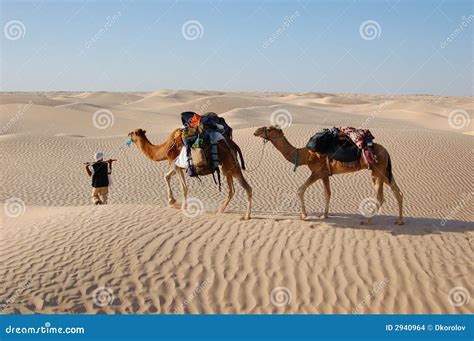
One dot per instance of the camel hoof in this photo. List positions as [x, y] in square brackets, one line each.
[303, 216]
[399, 222]
[245, 218]
[171, 201]
[323, 216]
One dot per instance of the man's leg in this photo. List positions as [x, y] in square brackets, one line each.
[104, 191]
[95, 196]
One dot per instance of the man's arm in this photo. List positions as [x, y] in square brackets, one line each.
[110, 166]
[88, 170]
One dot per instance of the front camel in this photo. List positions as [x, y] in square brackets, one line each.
[170, 149]
[318, 165]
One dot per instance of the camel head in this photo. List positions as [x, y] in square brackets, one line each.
[135, 134]
[269, 133]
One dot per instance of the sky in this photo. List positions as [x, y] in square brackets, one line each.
[382, 47]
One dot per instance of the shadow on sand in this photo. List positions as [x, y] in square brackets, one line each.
[413, 226]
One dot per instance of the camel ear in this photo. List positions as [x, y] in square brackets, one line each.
[144, 132]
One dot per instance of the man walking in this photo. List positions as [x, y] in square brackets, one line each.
[100, 178]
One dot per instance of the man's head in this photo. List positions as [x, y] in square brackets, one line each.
[99, 156]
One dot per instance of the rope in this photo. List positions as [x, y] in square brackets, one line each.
[296, 160]
[261, 159]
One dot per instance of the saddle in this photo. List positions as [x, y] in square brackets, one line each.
[200, 136]
[335, 145]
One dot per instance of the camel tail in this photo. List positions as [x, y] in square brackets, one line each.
[237, 148]
[388, 171]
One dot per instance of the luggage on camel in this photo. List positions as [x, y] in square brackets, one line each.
[344, 144]
[200, 136]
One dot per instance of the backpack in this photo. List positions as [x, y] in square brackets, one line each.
[328, 142]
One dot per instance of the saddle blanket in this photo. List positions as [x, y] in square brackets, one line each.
[182, 160]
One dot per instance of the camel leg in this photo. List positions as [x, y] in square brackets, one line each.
[378, 185]
[230, 184]
[184, 187]
[168, 175]
[312, 179]
[240, 178]
[399, 196]
[327, 195]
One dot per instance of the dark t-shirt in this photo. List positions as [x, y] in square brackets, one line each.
[100, 176]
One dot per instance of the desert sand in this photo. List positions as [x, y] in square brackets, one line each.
[61, 254]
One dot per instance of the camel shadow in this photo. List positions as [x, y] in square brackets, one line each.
[413, 225]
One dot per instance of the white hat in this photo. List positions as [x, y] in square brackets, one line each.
[98, 156]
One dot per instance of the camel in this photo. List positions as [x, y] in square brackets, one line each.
[170, 150]
[321, 168]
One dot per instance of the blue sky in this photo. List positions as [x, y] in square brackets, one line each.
[316, 46]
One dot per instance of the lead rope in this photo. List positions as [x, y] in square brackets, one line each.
[261, 158]
[296, 160]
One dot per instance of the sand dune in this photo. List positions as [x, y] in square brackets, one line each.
[59, 251]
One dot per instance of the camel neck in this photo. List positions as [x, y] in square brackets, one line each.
[290, 153]
[153, 152]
